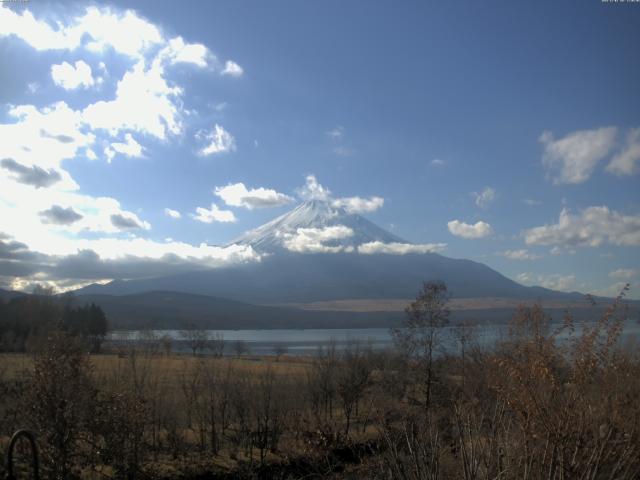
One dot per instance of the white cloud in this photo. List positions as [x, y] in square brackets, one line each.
[485, 197]
[314, 240]
[359, 204]
[553, 281]
[437, 162]
[172, 213]
[214, 214]
[614, 290]
[144, 102]
[43, 138]
[557, 250]
[90, 154]
[525, 277]
[592, 227]
[623, 273]
[125, 32]
[21, 205]
[54, 221]
[573, 158]
[522, 254]
[396, 248]
[131, 148]
[558, 282]
[465, 230]
[627, 162]
[232, 69]
[69, 77]
[177, 51]
[336, 133]
[532, 202]
[39, 34]
[107, 258]
[312, 190]
[237, 195]
[218, 141]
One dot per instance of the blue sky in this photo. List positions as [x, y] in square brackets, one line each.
[508, 131]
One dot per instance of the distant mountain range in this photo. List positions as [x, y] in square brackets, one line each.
[312, 256]
[175, 310]
[332, 268]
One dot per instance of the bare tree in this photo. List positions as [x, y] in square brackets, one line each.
[464, 332]
[279, 349]
[197, 339]
[240, 348]
[419, 334]
[167, 343]
[60, 398]
[353, 378]
[216, 344]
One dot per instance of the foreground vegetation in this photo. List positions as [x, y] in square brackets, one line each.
[529, 408]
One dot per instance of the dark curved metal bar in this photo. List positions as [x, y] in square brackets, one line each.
[34, 453]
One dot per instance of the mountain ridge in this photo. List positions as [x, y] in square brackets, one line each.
[334, 269]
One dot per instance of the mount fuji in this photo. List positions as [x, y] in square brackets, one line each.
[353, 229]
[321, 252]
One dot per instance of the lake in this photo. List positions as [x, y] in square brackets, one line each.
[307, 341]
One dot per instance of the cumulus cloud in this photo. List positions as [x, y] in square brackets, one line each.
[554, 281]
[623, 273]
[592, 227]
[359, 204]
[627, 161]
[130, 148]
[484, 198]
[232, 69]
[217, 141]
[573, 158]
[55, 220]
[214, 214]
[397, 248]
[317, 240]
[43, 138]
[128, 221]
[58, 215]
[34, 175]
[312, 190]
[99, 28]
[172, 213]
[465, 230]
[237, 195]
[144, 102]
[107, 258]
[71, 77]
[522, 254]
[178, 51]
[532, 202]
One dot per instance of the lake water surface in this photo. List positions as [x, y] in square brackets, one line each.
[307, 341]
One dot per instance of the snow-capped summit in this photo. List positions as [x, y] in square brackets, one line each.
[319, 219]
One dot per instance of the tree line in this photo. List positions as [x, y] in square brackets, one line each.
[25, 321]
